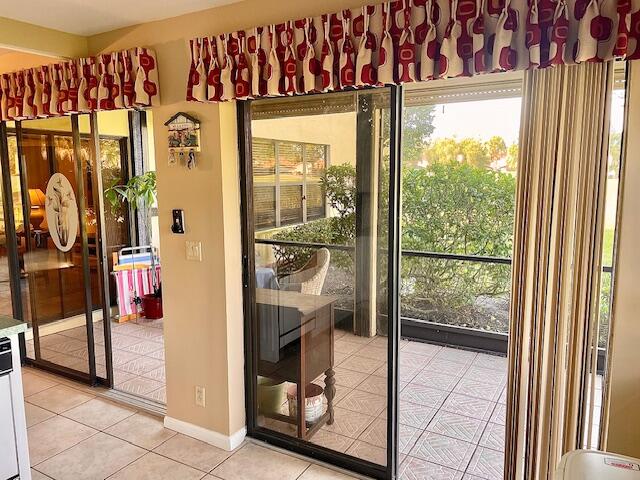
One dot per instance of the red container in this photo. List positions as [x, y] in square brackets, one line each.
[152, 307]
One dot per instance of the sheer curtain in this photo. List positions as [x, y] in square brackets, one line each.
[556, 263]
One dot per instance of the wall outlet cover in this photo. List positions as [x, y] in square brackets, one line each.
[201, 399]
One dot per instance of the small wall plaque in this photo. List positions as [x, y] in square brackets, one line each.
[184, 139]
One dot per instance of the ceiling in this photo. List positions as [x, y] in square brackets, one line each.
[89, 17]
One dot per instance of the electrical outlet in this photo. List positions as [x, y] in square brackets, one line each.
[194, 251]
[201, 399]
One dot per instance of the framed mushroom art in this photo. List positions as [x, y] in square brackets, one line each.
[184, 139]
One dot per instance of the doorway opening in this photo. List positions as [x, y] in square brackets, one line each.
[67, 261]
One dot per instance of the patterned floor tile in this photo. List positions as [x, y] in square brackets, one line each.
[499, 414]
[348, 378]
[348, 348]
[408, 436]
[141, 365]
[368, 452]
[487, 464]
[376, 433]
[375, 353]
[144, 347]
[456, 355]
[409, 359]
[374, 384]
[469, 406]
[494, 362]
[446, 451]
[334, 441]
[493, 437]
[348, 423]
[362, 364]
[416, 469]
[359, 401]
[140, 386]
[487, 375]
[421, 395]
[415, 415]
[443, 365]
[422, 348]
[431, 378]
[407, 374]
[476, 389]
[457, 426]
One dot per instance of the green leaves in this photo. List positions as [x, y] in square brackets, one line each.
[139, 192]
[339, 184]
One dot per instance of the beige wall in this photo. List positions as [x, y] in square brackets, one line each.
[338, 130]
[12, 61]
[203, 300]
[40, 40]
[624, 403]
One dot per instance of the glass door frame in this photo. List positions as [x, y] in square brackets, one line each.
[91, 377]
[250, 312]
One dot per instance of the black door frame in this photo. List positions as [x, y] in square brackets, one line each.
[250, 314]
[94, 170]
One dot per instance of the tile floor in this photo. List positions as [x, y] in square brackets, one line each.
[452, 408]
[138, 354]
[74, 435]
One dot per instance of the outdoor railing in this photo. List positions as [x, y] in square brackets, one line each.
[435, 331]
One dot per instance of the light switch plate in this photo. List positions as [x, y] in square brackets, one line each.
[194, 251]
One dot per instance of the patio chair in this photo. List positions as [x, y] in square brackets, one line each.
[310, 278]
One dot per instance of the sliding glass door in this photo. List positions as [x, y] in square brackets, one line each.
[320, 217]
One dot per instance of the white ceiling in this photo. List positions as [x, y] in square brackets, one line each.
[88, 17]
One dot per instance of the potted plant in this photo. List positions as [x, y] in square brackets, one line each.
[140, 193]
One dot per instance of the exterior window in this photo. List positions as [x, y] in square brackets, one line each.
[287, 182]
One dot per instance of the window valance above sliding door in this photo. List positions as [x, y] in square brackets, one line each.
[125, 79]
[410, 40]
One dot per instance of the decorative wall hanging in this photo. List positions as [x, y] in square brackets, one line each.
[184, 138]
[409, 40]
[62, 212]
[125, 79]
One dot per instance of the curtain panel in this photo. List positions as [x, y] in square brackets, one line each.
[410, 40]
[125, 79]
[560, 204]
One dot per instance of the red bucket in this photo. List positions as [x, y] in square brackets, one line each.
[152, 307]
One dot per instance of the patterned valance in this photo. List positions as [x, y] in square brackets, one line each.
[410, 40]
[125, 79]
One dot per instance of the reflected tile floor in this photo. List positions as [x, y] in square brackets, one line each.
[79, 436]
[138, 354]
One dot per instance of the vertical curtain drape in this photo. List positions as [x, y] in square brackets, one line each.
[556, 263]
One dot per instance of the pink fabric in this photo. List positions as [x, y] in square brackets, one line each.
[410, 40]
[126, 79]
[131, 284]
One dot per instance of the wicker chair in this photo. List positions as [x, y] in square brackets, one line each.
[310, 278]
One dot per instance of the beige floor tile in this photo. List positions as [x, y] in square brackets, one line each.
[256, 462]
[360, 401]
[59, 399]
[36, 414]
[348, 423]
[331, 440]
[36, 475]
[94, 458]
[362, 364]
[316, 472]
[159, 395]
[32, 383]
[368, 452]
[142, 430]
[53, 436]
[99, 414]
[156, 467]
[192, 452]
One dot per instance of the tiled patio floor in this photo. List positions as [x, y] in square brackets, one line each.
[138, 354]
[451, 415]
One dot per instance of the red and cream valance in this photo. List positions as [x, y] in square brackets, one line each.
[410, 40]
[125, 79]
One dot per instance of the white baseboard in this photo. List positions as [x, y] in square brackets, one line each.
[211, 437]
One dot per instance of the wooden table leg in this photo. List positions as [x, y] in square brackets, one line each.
[330, 392]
